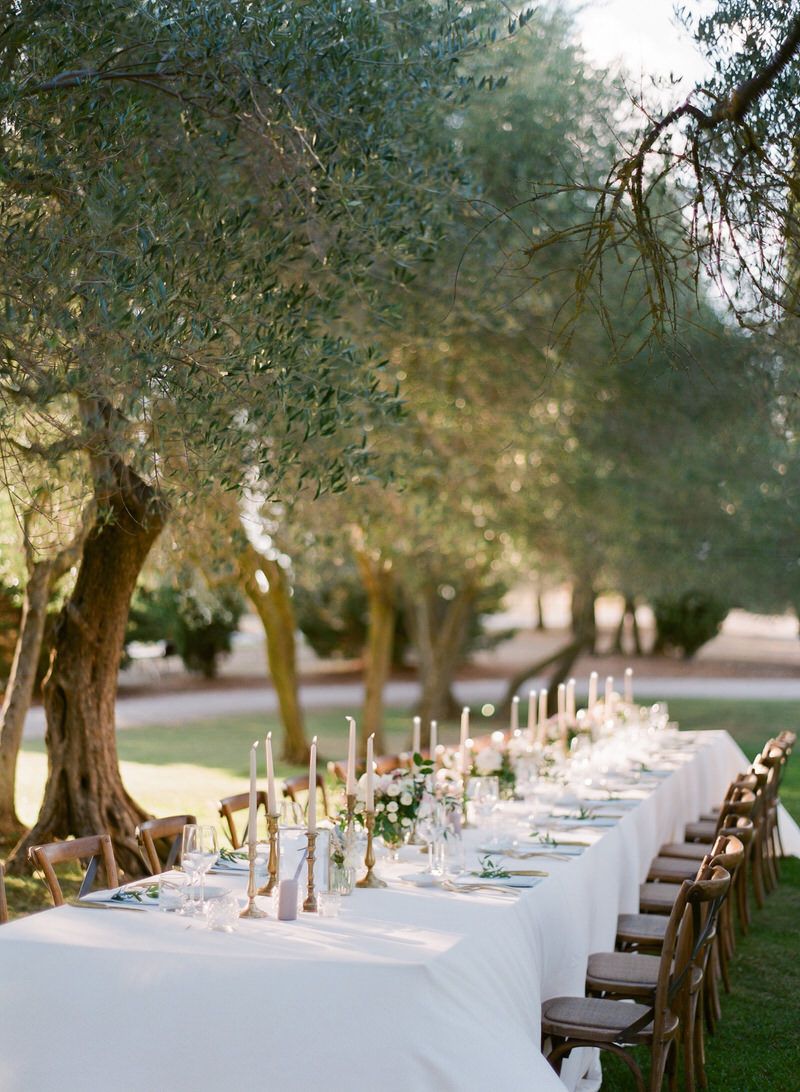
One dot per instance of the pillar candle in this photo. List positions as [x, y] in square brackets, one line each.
[312, 788]
[434, 739]
[515, 714]
[571, 701]
[252, 823]
[350, 786]
[592, 691]
[272, 800]
[541, 733]
[629, 685]
[415, 736]
[369, 802]
[531, 715]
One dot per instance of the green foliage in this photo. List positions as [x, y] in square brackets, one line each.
[686, 623]
[196, 622]
[332, 614]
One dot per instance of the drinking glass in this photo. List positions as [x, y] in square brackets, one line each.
[223, 913]
[173, 891]
[199, 851]
[291, 813]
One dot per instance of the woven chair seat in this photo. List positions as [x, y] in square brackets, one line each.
[628, 974]
[703, 830]
[687, 851]
[598, 1019]
[643, 929]
[672, 869]
[625, 973]
[657, 898]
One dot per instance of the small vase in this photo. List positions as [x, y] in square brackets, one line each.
[392, 848]
[342, 879]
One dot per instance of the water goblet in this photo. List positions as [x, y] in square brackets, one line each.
[199, 851]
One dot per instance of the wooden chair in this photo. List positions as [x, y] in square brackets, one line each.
[95, 847]
[609, 1024]
[634, 976]
[168, 830]
[240, 802]
[294, 785]
[387, 763]
[3, 902]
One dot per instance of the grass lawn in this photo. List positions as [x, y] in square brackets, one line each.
[188, 767]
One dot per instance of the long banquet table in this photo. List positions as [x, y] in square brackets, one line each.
[410, 988]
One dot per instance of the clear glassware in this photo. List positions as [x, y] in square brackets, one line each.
[452, 855]
[199, 851]
[431, 823]
[222, 913]
[173, 891]
[291, 814]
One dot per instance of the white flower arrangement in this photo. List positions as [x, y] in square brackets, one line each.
[398, 796]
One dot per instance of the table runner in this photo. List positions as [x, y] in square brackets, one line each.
[409, 989]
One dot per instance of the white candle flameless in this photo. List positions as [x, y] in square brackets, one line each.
[415, 736]
[434, 739]
[592, 691]
[463, 742]
[252, 823]
[541, 732]
[608, 694]
[272, 798]
[350, 787]
[515, 713]
[312, 788]
[531, 715]
[369, 800]
[571, 701]
[629, 685]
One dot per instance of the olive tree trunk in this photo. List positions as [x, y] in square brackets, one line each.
[439, 629]
[84, 793]
[43, 575]
[379, 584]
[273, 605]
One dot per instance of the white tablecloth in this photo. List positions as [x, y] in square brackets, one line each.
[408, 989]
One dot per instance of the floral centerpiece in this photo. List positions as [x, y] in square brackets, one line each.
[398, 796]
[497, 760]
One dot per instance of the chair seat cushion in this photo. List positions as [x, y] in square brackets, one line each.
[627, 974]
[672, 869]
[597, 1020]
[657, 897]
[701, 831]
[644, 929]
[689, 851]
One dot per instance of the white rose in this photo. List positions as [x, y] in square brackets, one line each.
[392, 807]
[379, 807]
[406, 799]
[488, 761]
[405, 822]
[393, 789]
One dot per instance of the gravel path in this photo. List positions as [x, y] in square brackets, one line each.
[144, 710]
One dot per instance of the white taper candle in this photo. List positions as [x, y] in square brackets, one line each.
[272, 798]
[312, 788]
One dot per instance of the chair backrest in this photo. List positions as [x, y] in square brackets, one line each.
[293, 785]
[228, 807]
[95, 847]
[168, 830]
[709, 892]
[387, 763]
[3, 902]
[675, 956]
[728, 853]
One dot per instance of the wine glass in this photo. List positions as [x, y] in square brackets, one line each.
[291, 814]
[199, 851]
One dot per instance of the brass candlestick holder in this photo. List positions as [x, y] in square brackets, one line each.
[310, 903]
[350, 801]
[274, 862]
[370, 880]
[251, 910]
